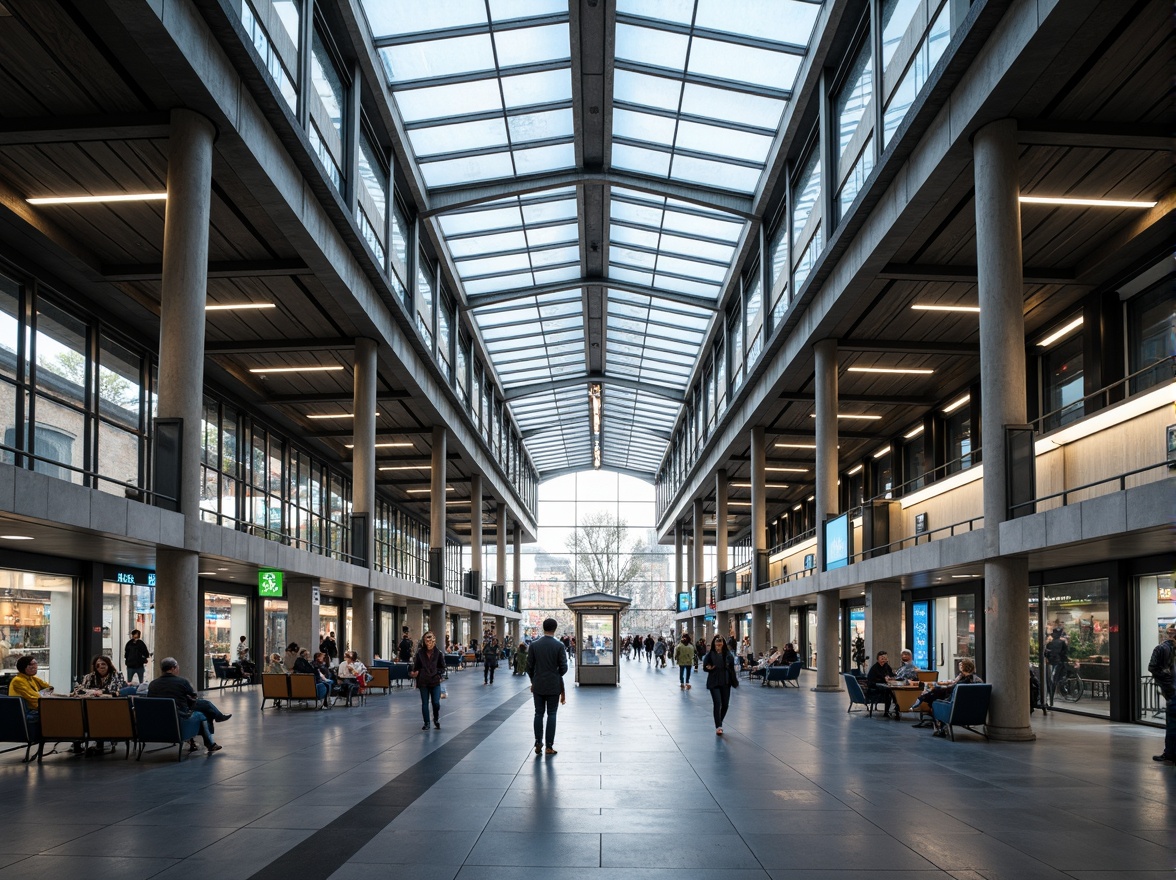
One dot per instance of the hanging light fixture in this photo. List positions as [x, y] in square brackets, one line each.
[595, 402]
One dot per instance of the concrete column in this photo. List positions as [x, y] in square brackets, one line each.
[677, 557]
[414, 619]
[500, 576]
[476, 626]
[181, 373]
[476, 532]
[723, 625]
[779, 625]
[759, 629]
[500, 627]
[302, 612]
[517, 576]
[759, 517]
[828, 648]
[699, 542]
[692, 578]
[721, 562]
[1000, 284]
[363, 482]
[437, 522]
[884, 621]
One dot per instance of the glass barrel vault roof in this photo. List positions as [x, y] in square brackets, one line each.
[485, 91]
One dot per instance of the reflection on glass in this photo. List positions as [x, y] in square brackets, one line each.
[36, 618]
[597, 638]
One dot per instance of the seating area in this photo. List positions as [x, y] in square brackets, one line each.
[227, 675]
[967, 706]
[785, 675]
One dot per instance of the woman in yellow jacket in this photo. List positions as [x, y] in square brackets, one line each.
[684, 656]
[26, 684]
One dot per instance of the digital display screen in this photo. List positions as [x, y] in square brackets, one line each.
[837, 547]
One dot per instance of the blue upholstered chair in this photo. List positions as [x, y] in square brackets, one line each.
[857, 696]
[14, 726]
[967, 708]
[157, 721]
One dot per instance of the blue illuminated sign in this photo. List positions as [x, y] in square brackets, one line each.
[132, 578]
[921, 633]
[837, 542]
[683, 601]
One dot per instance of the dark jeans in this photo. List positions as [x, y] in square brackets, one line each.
[140, 671]
[721, 697]
[205, 725]
[684, 674]
[876, 694]
[433, 695]
[1170, 728]
[488, 673]
[548, 703]
[209, 711]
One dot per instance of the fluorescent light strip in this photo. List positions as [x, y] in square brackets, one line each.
[334, 415]
[15, 537]
[957, 403]
[854, 470]
[885, 450]
[1060, 332]
[92, 200]
[407, 467]
[787, 470]
[796, 507]
[932, 307]
[235, 307]
[863, 416]
[796, 445]
[381, 445]
[913, 371]
[334, 369]
[766, 485]
[1086, 203]
[914, 432]
[425, 491]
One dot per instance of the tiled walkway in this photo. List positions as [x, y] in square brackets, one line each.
[641, 789]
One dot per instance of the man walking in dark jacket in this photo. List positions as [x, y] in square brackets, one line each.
[1162, 666]
[135, 657]
[547, 661]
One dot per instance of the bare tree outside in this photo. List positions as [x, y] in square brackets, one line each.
[604, 560]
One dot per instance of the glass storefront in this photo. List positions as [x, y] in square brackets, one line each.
[126, 607]
[37, 618]
[810, 639]
[1074, 630]
[387, 646]
[855, 622]
[1157, 609]
[226, 619]
[596, 632]
[942, 631]
[274, 614]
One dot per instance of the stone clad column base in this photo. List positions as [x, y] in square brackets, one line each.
[1010, 734]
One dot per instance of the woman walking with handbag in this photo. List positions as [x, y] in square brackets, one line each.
[428, 669]
[719, 665]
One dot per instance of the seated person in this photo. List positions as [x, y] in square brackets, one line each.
[103, 680]
[173, 686]
[907, 671]
[275, 665]
[773, 659]
[789, 656]
[322, 680]
[26, 684]
[880, 673]
[351, 673]
[967, 676]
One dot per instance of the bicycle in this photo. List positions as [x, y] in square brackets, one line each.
[1067, 684]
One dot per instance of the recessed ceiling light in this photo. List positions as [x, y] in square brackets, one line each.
[334, 415]
[230, 307]
[766, 485]
[90, 200]
[206, 573]
[965, 575]
[1086, 203]
[787, 470]
[913, 371]
[914, 432]
[935, 307]
[425, 491]
[885, 450]
[811, 498]
[16, 537]
[739, 504]
[382, 445]
[222, 569]
[782, 445]
[796, 507]
[1060, 332]
[320, 369]
[407, 467]
[957, 403]
[854, 470]
[863, 416]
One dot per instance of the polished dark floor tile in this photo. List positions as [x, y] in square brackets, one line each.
[537, 849]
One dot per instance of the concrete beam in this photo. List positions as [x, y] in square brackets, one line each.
[76, 129]
[243, 269]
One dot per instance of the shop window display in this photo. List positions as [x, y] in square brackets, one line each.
[1157, 609]
[36, 618]
[1076, 616]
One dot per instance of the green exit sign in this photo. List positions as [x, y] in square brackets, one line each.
[269, 583]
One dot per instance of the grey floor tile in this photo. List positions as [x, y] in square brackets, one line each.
[92, 867]
[537, 849]
[835, 852]
[397, 847]
[673, 849]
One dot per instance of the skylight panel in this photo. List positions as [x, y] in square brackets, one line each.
[690, 268]
[445, 172]
[618, 232]
[648, 46]
[487, 244]
[693, 224]
[477, 221]
[631, 257]
[504, 10]
[552, 234]
[504, 282]
[446, 101]
[785, 21]
[529, 89]
[547, 212]
[439, 139]
[684, 285]
[554, 276]
[643, 161]
[723, 141]
[714, 103]
[532, 45]
[623, 273]
[544, 125]
[651, 91]
[643, 127]
[387, 18]
[714, 173]
[748, 64]
[696, 248]
[493, 265]
[433, 58]
[555, 256]
[646, 215]
[540, 159]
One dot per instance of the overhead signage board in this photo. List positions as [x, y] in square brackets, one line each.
[269, 583]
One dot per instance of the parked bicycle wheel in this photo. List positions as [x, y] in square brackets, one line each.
[1070, 687]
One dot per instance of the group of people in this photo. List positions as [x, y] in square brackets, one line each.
[881, 675]
[654, 650]
[348, 678]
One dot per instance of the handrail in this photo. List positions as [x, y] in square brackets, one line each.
[799, 539]
[928, 477]
[1121, 478]
[883, 549]
[1040, 422]
[131, 490]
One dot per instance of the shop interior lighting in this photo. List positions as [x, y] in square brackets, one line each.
[957, 403]
[766, 485]
[318, 369]
[1061, 332]
[93, 200]
[1086, 203]
[914, 432]
[936, 307]
[853, 470]
[238, 307]
[903, 371]
[885, 450]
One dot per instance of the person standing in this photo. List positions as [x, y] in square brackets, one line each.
[1057, 655]
[685, 658]
[330, 647]
[404, 649]
[489, 660]
[247, 666]
[719, 665]
[428, 669]
[135, 657]
[547, 662]
[649, 643]
[1162, 667]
